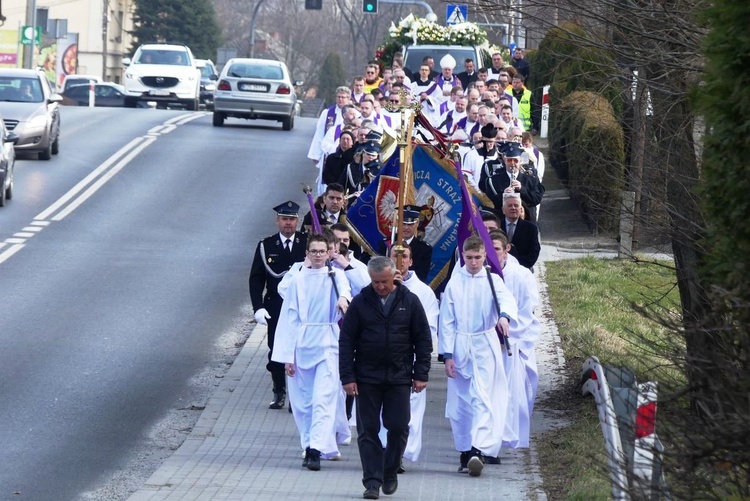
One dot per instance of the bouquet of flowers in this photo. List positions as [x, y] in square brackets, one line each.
[416, 30]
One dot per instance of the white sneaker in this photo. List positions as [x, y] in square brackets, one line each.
[347, 441]
[334, 457]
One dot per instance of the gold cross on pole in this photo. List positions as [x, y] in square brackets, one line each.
[404, 141]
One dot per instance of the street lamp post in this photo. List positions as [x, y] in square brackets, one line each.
[252, 28]
[28, 54]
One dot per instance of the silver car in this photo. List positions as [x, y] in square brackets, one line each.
[255, 88]
[7, 163]
[31, 110]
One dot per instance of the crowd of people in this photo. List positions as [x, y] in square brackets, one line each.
[352, 334]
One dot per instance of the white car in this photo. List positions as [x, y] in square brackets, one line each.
[164, 73]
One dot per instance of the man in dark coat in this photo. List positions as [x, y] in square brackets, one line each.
[331, 212]
[513, 180]
[273, 258]
[384, 354]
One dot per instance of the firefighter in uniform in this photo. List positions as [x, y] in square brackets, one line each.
[273, 258]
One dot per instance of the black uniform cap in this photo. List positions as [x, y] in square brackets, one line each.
[288, 209]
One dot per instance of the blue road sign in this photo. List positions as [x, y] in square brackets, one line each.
[455, 14]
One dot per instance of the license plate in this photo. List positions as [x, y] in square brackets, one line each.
[253, 87]
[158, 92]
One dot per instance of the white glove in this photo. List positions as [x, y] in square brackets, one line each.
[261, 316]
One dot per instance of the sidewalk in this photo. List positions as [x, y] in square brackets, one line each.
[241, 450]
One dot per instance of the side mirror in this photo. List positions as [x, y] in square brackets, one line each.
[12, 137]
[213, 77]
[55, 98]
[126, 61]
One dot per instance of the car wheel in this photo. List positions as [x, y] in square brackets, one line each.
[192, 105]
[2, 194]
[9, 190]
[56, 146]
[46, 153]
[288, 123]
[218, 119]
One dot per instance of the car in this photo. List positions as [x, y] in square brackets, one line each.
[209, 76]
[7, 163]
[71, 80]
[105, 94]
[164, 73]
[255, 88]
[31, 110]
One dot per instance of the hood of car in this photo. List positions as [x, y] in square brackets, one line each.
[162, 70]
[21, 111]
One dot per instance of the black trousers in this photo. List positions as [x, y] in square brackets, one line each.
[273, 367]
[393, 400]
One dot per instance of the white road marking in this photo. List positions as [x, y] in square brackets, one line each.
[114, 163]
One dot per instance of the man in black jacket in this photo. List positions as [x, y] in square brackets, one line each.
[384, 354]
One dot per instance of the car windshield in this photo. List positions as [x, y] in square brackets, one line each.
[160, 56]
[70, 82]
[415, 55]
[207, 71]
[21, 90]
[261, 71]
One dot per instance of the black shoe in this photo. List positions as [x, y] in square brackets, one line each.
[313, 463]
[279, 398]
[390, 485]
[491, 460]
[306, 461]
[464, 462]
[401, 468]
[372, 493]
[475, 463]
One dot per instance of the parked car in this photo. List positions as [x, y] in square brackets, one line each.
[164, 73]
[209, 76]
[255, 88]
[71, 80]
[7, 163]
[105, 94]
[31, 110]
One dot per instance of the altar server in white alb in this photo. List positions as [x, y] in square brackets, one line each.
[470, 311]
[309, 350]
[418, 401]
[525, 329]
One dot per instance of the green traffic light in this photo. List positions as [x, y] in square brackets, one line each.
[369, 7]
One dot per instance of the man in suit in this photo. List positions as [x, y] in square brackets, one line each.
[523, 235]
[273, 258]
[469, 75]
[332, 210]
[421, 251]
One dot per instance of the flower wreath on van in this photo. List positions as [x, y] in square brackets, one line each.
[417, 30]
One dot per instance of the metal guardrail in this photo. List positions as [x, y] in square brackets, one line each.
[627, 413]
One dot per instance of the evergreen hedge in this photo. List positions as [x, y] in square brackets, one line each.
[591, 154]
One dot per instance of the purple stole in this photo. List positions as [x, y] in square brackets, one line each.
[337, 132]
[461, 124]
[430, 89]
[441, 81]
[331, 117]
[358, 101]
[443, 107]
[385, 118]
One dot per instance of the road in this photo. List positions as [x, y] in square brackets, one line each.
[113, 291]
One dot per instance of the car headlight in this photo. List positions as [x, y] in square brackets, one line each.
[37, 122]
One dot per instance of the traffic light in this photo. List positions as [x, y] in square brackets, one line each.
[370, 6]
[313, 4]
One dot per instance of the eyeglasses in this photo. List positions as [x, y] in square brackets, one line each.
[316, 252]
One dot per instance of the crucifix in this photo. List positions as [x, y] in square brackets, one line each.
[405, 152]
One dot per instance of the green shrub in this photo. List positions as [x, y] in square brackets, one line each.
[593, 147]
[332, 75]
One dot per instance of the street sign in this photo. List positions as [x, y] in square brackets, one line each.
[27, 32]
[455, 14]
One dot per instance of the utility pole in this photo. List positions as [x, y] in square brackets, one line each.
[28, 53]
[105, 9]
[252, 28]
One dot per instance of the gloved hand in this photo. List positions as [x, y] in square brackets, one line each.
[262, 316]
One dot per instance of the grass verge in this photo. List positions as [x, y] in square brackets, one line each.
[593, 301]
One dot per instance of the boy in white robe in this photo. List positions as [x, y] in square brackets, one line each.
[308, 347]
[477, 385]
[521, 368]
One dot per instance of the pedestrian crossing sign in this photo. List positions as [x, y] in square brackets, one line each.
[455, 14]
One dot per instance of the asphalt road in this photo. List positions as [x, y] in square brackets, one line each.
[118, 273]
